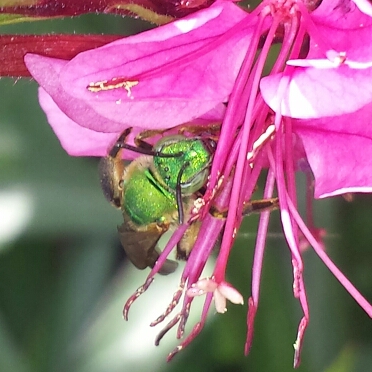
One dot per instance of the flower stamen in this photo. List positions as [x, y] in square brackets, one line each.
[142, 289]
[257, 145]
[114, 83]
[174, 302]
[221, 292]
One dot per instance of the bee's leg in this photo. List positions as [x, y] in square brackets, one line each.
[111, 171]
[211, 130]
[253, 206]
[141, 137]
[142, 147]
[186, 244]
[148, 149]
[194, 129]
[120, 143]
[262, 205]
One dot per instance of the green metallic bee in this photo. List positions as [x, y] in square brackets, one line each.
[156, 192]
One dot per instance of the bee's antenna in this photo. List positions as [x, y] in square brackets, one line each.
[120, 144]
[179, 193]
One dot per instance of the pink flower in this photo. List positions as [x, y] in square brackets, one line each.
[311, 114]
[161, 72]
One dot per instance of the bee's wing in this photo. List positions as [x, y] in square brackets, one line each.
[140, 247]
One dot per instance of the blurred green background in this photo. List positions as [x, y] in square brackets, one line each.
[64, 277]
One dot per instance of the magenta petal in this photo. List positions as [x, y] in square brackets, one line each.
[364, 6]
[75, 139]
[314, 93]
[339, 151]
[176, 65]
[81, 141]
[46, 72]
[335, 77]
[66, 114]
[343, 14]
[354, 44]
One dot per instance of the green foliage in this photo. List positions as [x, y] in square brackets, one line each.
[6, 19]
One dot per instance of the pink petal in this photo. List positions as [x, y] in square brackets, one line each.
[327, 64]
[364, 6]
[342, 14]
[46, 72]
[314, 93]
[75, 139]
[335, 77]
[339, 151]
[355, 43]
[177, 65]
